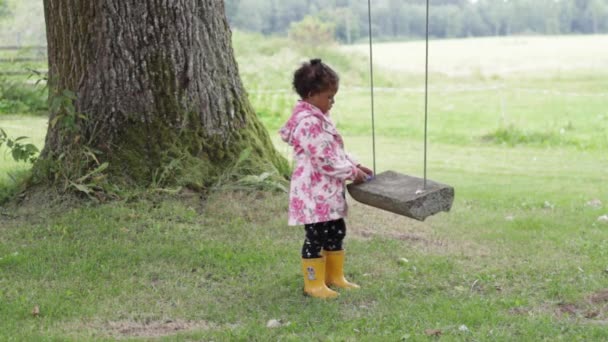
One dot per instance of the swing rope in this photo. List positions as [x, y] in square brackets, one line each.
[426, 86]
[426, 89]
[371, 77]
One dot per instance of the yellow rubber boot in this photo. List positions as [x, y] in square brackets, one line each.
[314, 279]
[335, 270]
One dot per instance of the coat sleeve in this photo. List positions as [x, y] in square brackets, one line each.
[326, 155]
[352, 159]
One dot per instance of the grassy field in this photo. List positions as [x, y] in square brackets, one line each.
[494, 57]
[522, 255]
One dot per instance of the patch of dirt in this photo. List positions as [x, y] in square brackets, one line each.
[599, 297]
[415, 238]
[35, 205]
[593, 309]
[519, 311]
[127, 329]
[365, 222]
[566, 308]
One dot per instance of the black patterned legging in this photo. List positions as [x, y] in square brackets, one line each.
[323, 235]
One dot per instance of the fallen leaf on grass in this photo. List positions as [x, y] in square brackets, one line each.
[433, 332]
[276, 323]
[460, 288]
[592, 314]
[567, 308]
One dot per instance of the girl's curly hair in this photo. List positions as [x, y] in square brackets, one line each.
[314, 77]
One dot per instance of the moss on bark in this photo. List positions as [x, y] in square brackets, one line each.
[189, 157]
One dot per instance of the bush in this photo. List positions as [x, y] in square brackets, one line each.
[17, 96]
[312, 31]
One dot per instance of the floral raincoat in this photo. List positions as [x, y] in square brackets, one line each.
[321, 167]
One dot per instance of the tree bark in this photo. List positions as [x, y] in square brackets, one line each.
[155, 81]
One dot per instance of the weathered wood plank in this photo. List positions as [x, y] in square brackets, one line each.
[403, 195]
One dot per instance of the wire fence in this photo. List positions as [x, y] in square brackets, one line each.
[14, 60]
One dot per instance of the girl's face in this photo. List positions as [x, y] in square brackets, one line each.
[323, 100]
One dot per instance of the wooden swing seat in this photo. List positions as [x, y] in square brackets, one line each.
[404, 195]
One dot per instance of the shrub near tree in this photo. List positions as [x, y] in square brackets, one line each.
[311, 31]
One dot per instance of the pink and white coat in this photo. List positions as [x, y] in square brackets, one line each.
[321, 169]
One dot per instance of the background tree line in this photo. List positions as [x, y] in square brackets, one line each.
[346, 20]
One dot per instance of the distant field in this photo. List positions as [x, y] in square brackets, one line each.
[494, 56]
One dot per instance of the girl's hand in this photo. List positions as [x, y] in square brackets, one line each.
[366, 170]
[360, 177]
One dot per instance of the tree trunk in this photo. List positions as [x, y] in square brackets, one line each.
[156, 92]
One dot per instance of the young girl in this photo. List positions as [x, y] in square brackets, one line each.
[317, 195]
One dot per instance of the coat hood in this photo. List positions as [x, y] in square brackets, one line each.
[301, 110]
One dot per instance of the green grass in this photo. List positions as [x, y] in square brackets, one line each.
[521, 256]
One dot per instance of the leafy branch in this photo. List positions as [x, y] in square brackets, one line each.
[19, 151]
